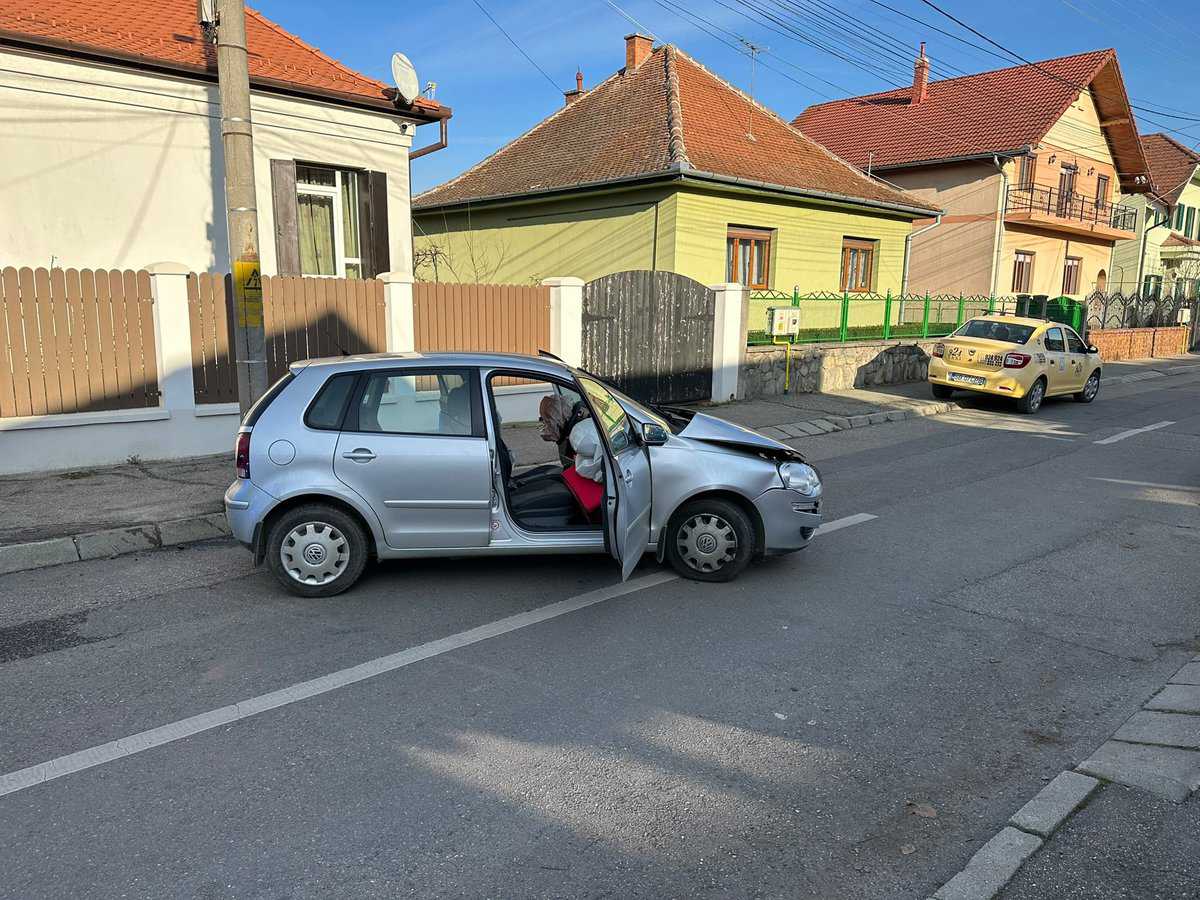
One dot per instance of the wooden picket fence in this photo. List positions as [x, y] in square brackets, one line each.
[507, 318]
[303, 318]
[75, 340]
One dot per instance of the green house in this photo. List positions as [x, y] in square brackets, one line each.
[665, 166]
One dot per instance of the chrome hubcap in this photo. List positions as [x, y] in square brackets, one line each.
[706, 542]
[314, 553]
[1092, 386]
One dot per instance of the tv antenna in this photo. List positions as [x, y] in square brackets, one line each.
[753, 49]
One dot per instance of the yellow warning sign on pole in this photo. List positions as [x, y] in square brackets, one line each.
[248, 292]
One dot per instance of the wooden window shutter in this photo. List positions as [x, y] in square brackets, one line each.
[376, 246]
[287, 233]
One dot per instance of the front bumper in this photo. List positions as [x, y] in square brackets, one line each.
[789, 519]
[1001, 383]
[245, 507]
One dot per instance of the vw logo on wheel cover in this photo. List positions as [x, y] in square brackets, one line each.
[314, 554]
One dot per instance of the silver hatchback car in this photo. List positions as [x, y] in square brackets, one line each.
[406, 455]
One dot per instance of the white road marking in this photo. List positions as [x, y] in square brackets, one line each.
[1151, 484]
[112, 751]
[1049, 437]
[838, 524]
[1133, 431]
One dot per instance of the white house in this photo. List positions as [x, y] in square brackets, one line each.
[110, 145]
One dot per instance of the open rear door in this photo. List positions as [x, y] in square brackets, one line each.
[627, 488]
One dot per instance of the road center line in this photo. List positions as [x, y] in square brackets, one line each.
[1132, 431]
[112, 751]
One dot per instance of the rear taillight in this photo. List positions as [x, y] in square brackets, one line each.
[939, 350]
[241, 454]
[1016, 360]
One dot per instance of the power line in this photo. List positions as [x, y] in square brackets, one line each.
[520, 50]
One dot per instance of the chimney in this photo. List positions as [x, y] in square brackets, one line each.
[637, 48]
[572, 96]
[920, 88]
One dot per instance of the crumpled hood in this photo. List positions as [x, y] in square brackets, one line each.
[717, 431]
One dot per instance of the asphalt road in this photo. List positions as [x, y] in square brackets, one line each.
[851, 721]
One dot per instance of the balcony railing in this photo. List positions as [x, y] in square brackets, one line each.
[1076, 207]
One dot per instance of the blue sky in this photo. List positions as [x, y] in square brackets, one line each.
[496, 94]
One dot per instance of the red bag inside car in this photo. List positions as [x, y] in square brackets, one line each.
[588, 493]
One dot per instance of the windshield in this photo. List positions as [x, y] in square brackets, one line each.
[639, 411]
[995, 331]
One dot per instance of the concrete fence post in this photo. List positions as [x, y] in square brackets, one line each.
[729, 339]
[398, 315]
[566, 319]
[172, 335]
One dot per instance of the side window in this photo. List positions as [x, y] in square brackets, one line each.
[612, 419]
[1054, 340]
[418, 402]
[1074, 344]
[326, 410]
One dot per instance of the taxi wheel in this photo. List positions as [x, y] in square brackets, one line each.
[940, 391]
[709, 539]
[1091, 388]
[1032, 401]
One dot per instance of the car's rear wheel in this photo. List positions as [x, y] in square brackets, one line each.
[1091, 388]
[710, 539]
[316, 550]
[1032, 401]
[940, 391]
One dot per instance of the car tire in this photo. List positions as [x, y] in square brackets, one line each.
[941, 392]
[710, 539]
[1032, 401]
[316, 550]
[1091, 388]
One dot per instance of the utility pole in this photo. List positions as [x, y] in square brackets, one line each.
[237, 141]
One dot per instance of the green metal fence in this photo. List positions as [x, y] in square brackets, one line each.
[838, 318]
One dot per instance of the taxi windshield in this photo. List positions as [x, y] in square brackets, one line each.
[995, 331]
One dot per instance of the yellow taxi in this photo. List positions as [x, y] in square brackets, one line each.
[1013, 356]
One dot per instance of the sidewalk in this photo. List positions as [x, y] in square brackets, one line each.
[89, 513]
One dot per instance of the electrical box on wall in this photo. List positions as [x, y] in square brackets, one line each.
[783, 321]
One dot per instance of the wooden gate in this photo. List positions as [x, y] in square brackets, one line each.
[650, 334]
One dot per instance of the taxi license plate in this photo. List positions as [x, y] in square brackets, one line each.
[967, 379]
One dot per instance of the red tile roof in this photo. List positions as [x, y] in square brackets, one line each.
[668, 116]
[1172, 165]
[166, 33]
[1178, 240]
[990, 112]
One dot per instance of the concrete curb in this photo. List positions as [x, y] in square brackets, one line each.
[826, 424]
[111, 542]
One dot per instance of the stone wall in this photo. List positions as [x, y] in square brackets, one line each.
[1139, 343]
[833, 367]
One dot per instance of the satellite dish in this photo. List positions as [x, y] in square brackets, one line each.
[405, 77]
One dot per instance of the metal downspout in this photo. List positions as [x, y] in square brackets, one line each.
[1001, 208]
[908, 250]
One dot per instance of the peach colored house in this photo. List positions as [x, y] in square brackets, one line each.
[1027, 162]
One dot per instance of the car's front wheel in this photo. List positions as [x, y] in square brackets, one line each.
[941, 392]
[316, 550]
[1091, 388]
[1032, 401]
[709, 539]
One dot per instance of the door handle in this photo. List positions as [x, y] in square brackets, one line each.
[360, 455]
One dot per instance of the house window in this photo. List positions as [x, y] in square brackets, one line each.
[1027, 166]
[1022, 272]
[1178, 223]
[748, 257]
[1071, 270]
[858, 264]
[1190, 222]
[327, 221]
[1102, 191]
[1152, 287]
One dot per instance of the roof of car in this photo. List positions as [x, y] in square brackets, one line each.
[1015, 320]
[541, 364]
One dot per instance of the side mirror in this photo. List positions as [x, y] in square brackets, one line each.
[1092, 348]
[654, 435]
